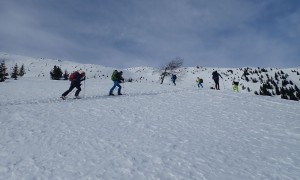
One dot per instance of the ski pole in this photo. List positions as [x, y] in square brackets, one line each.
[84, 88]
[223, 84]
[84, 81]
[70, 93]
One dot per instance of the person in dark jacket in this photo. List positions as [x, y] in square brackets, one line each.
[215, 77]
[76, 79]
[173, 78]
[117, 78]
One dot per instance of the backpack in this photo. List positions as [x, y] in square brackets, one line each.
[114, 75]
[200, 80]
[74, 76]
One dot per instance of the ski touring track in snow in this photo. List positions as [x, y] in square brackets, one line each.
[85, 98]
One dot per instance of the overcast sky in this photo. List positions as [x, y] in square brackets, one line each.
[128, 33]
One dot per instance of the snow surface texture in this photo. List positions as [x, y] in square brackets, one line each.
[154, 131]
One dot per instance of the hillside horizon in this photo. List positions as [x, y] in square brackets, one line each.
[277, 82]
[10, 56]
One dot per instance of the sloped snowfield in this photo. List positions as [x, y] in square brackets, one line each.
[153, 132]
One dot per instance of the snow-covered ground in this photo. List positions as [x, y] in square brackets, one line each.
[153, 132]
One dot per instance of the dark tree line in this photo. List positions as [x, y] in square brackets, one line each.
[57, 74]
[16, 71]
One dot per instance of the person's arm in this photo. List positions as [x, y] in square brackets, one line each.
[83, 78]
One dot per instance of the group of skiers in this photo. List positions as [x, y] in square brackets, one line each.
[215, 77]
[117, 78]
[78, 76]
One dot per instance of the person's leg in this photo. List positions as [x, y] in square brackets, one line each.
[216, 84]
[78, 90]
[119, 88]
[114, 86]
[68, 91]
[235, 88]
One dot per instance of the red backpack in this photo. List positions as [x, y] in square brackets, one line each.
[74, 76]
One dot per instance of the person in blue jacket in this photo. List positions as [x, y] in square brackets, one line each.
[173, 78]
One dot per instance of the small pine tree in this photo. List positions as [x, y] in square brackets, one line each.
[277, 90]
[66, 75]
[56, 73]
[284, 82]
[292, 95]
[296, 88]
[254, 80]
[264, 90]
[22, 70]
[284, 96]
[298, 95]
[276, 77]
[15, 73]
[3, 73]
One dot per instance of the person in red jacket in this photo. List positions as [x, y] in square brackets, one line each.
[75, 78]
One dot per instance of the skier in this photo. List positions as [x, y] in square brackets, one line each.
[199, 82]
[173, 78]
[117, 78]
[215, 77]
[75, 78]
[235, 86]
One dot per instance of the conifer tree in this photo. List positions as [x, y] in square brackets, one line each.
[22, 70]
[296, 88]
[277, 90]
[3, 73]
[56, 73]
[66, 75]
[291, 94]
[15, 72]
[298, 95]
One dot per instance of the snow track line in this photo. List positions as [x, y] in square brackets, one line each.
[59, 100]
[51, 100]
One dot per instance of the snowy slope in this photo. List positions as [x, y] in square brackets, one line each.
[153, 132]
